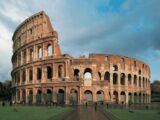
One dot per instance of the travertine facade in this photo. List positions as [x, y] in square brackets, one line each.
[41, 73]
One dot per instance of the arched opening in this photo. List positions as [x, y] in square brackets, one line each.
[143, 98]
[61, 96]
[23, 76]
[60, 71]
[122, 78]
[115, 96]
[88, 96]
[74, 96]
[139, 72]
[30, 97]
[115, 68]
[140, 98]
[143, 82]
[107, 76]
[129, 79]
[123, 97]
[130, 98]
[49, 72]
[31, 54]
[99, 75]
[23, 96]
[88, 73]
[76, 74]
[18, 95]
[115, 78]
[49, 50]
[49, 96]
[39, 96]
[100, 95]
[30, 74]
[24, 56]
[39, 52]
[39, 74]
[135, 97]
[135, 79]
[140, 82]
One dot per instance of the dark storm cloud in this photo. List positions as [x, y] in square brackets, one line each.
[130, 32]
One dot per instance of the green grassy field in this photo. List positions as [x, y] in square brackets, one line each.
[123, 114]
[33, 113]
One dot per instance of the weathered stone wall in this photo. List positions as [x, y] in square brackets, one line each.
[42, 74]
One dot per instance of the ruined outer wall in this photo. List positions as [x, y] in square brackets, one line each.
[39, 68]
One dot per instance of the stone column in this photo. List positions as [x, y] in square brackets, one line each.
[111, 86]
[44, 71]
[34, 95]
[126, 93]
[94, 96]
[27, 75]
[67, 95]
[54, 95]
[132, 94]
[27, 95]
[80, 96]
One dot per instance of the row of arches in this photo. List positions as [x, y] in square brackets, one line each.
[36, 73]
[132, 97]
[60, 96]
[143, 82]
[29, 54]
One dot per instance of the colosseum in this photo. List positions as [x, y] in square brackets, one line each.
[41, 73]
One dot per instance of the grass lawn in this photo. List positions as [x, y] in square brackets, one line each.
[33, 113]
[123, 114]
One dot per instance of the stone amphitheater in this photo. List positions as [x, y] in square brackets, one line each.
[42, 74]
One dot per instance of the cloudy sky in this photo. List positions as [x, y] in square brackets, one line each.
[124, 27]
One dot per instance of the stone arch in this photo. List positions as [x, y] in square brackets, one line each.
[135, 79]
[23, 75]
[39, 73]
[39, 96]
[30, 97]
[129, 97]
[115, 68]
[87, 73]
[60, 71]
[49, 72]
[77, 74]
[23, 96]
[129, 79]
[100, 95]
[143, 82]
[123, 97]
[88, 95]
[140, 82]
[139, 72]
[49, 96]
[18, 95]
[135, 97]
[30, 74]
[140, 98]
[115, 94]
[115, 78]
[39, 52]
[31, 54]
[122, 75]
[73, 96]
[61, 96]
[107, 76]
[49, 50]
